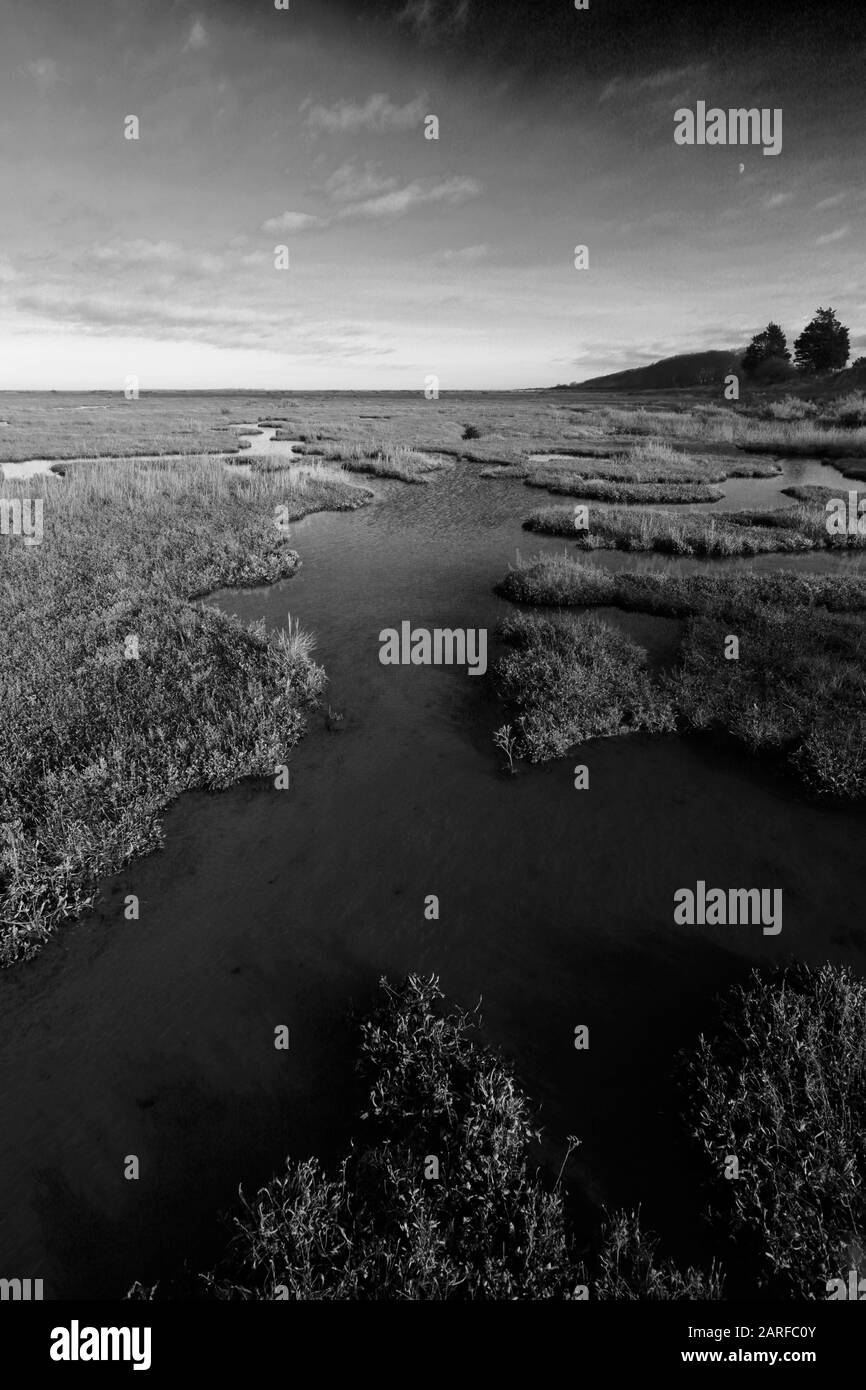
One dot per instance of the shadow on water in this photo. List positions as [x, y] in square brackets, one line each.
[155, 1038]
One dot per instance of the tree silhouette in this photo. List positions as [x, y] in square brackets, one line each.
[769, 343]
[823, 345]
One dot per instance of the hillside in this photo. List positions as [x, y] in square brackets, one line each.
[686, 369]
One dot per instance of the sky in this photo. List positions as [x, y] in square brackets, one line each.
[411, 257]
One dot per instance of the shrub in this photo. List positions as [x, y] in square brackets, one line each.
[486, 1228]
[574, 680]
[783, 1086]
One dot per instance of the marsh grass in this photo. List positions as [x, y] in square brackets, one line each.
[559, 580]
[782, 1085]
[629, 1267]
[392, 461]
[94, 746]
[796, 692]
[799, 528]
[116, 427]
[572, 680]
[597, 489]
[790, 432]
[490, 1226]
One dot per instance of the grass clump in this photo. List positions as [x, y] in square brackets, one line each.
[95, 742]
[575, 680]
[796, 691]
[602, 490]
[559, 580]
[392, 461]
[629, 1268]
[485, 1228]
[782, 1085]
[487, 1225]
[786, 530]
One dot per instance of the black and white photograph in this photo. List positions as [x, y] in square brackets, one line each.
[432, 680]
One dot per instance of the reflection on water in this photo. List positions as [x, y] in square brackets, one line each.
[265, 907]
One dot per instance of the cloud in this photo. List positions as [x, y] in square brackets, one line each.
[378, 114]
[432, 19]
[832, 202]
[140, 251]
[198, 38]
[386, 200]
[839, 233]
[777, 199]
[44, 70]
[626, 88]
[466, 255]
[400, 201]
[350, 184]
[292, 222]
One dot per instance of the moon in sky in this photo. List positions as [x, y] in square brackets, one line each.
[742, 168]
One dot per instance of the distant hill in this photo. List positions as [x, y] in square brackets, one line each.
[686, 369]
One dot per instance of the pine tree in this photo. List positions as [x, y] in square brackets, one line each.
[823, 346]
[770, 343]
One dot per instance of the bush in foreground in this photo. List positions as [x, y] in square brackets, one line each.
[483, 1226]
[782, 1087]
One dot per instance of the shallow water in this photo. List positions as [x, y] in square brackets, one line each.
[20, 472]
[155, 1038]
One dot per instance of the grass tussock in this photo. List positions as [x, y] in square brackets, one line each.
[782, 1085]
[790, 529]
[96, 743]
[597, 489]
[391, 461]
[796, 691]
[560, 581]
[483, 1224]
[575, 680]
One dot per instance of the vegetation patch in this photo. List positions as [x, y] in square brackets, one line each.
[795, 691]
[438, 1198]
[597, 489]
[574, 680]
[799, 528]
[782, 1086]
[100, 734]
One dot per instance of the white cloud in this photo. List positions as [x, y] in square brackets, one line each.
[378, 114]
[832, 202]
[628, 87]
[198, 38]
[140, 251]
[839, 233]
[291, 222]
[777, 199]
[399, 201]
[349, 184]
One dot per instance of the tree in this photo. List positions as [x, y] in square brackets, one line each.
[766, 345]
[823, 345]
